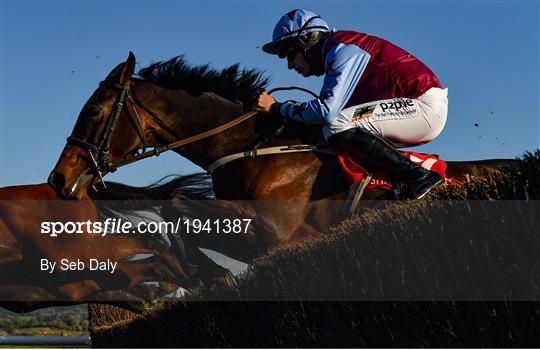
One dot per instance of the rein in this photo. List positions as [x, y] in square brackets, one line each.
[286, 88]
[158, 150]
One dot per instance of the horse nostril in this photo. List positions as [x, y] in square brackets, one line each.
[57, 180]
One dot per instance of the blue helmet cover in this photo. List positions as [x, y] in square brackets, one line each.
[289, 26]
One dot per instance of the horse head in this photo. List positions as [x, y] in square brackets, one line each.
[89, 152]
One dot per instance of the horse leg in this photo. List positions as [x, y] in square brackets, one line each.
[135, 274]
[165, 260]
[105, 313]
[10, 250]
[79, 290]
[148, 270]
[20, 294]
[179, 270]
[149, 292]
[202, 270]
[257, 237]
[207, 272]
[28, 306]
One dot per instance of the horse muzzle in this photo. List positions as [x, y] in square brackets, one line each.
[75, 189]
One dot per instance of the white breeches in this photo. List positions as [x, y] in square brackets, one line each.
[401, 121]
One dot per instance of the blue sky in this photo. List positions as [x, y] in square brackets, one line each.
[54, 53]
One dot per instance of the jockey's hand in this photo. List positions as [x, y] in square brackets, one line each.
[263, 103]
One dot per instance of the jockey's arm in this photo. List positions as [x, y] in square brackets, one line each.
[344, 67]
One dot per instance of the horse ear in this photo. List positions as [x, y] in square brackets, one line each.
[128, 69]
[124, 71]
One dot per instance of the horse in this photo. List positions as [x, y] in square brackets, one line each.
[204, 115]
[24, 287]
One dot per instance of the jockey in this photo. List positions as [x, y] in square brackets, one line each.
[375, 95]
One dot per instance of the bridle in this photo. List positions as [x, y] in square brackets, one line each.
[101, 163]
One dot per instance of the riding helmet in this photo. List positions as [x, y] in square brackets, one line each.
[297, 27]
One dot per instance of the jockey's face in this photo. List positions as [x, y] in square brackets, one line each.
[298, 63]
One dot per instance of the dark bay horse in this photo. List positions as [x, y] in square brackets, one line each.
[22, 211]
[173, 101]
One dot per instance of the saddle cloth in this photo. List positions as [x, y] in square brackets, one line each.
[354, 172]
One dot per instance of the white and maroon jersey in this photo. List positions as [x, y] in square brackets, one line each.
[362, 68]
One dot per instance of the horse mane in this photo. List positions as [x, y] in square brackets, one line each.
[230, 83]
[192, 186]
[120, 200]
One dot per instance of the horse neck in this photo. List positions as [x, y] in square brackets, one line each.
[176, 115]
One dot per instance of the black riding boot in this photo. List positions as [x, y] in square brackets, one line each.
[357, 141]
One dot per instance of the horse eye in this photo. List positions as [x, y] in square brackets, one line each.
[92, 110]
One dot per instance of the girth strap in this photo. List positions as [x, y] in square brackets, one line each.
[270, 150]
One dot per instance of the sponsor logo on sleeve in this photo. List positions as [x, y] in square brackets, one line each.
[363, 113]
[387, 110]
